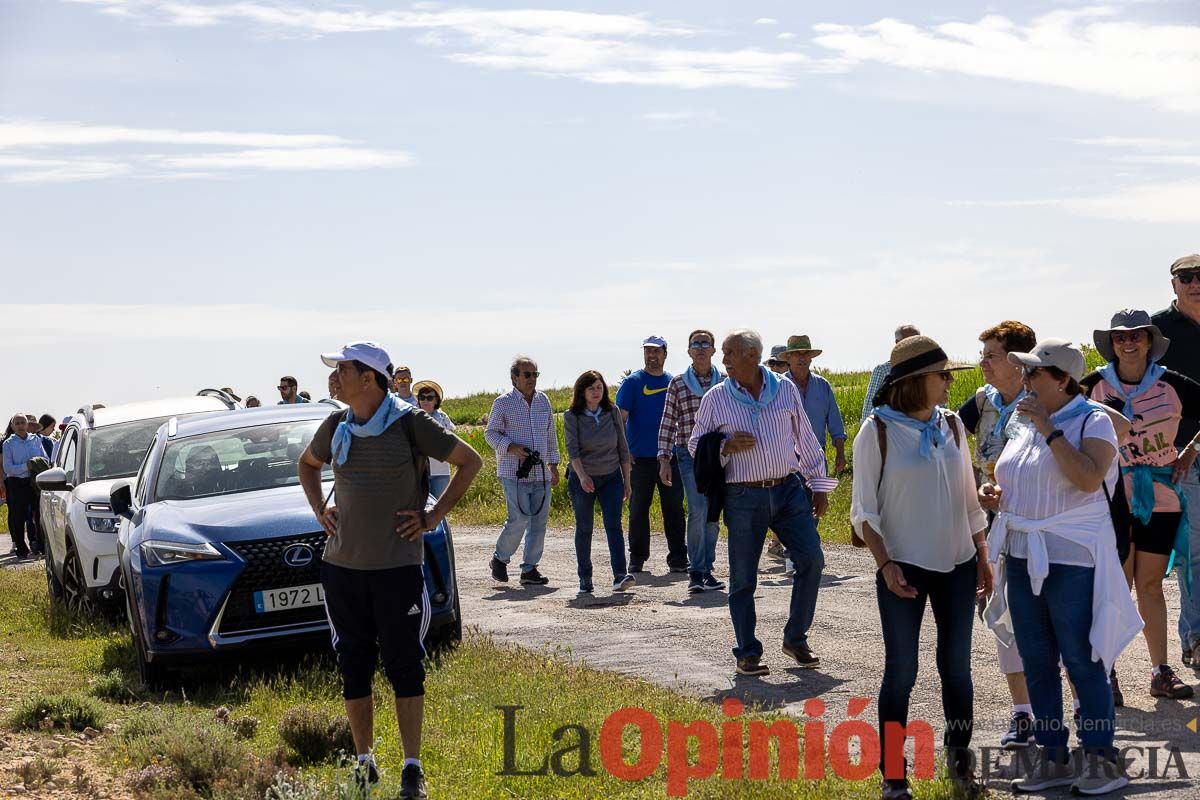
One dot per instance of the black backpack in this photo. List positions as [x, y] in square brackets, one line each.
[1118, 507]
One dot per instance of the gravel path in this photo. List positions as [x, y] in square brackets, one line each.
[659, 633]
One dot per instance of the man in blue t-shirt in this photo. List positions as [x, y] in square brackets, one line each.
[641, 398]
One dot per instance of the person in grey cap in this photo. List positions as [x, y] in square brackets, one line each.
[1181, 324]
[371, 570]
[777, 363]
[880, 373]
[1155, 400]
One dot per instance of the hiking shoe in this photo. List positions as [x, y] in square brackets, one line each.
[532, 577]
[1099, 776]
[1118, 697]
[636, 566]
[696, 584]
[1047, 774]
[677, 568]
[623, 583]
[896, 790]
[412, 783]
[499, 570]
[711, 584]
[1167, 684]
[752, 665]
[1020, 732]
[366, 775]
[585, 587]
[803, 656]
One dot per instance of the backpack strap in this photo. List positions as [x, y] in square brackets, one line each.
[952, 421]
[420, 460]
[881, 435]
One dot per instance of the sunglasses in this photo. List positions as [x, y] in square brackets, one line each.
[700, 345]
[528, 374]
[283, 386]
[1186, 278]
[946, 375]
[1031, 372]
[427, 396]
[1131, 336]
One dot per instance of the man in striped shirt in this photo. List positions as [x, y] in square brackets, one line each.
[772, 463]
[520, 423]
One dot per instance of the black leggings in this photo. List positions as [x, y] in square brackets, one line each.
[20, 507]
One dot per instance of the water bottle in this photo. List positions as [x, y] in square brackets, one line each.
[1018, 423]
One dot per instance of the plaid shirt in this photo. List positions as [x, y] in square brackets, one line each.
[878, 376]
[514, 421]
[679, 414]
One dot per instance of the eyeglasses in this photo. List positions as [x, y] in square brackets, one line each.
[283, 386]
[946, 375]
[528, 374]
[700, 345]
[427, 396]
[1129, 336]
[1186, 278]
[986, 356]
[1031, 372]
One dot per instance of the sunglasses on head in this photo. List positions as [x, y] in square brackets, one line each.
[1186, 278]
[1129, 336]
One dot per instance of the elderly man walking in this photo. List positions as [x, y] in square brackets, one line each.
[817, 395]
[684, 394]
[520, 427]
[772, 464]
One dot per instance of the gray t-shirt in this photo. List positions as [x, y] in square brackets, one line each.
[377, 480]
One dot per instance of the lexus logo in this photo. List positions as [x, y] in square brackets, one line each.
[298, 555]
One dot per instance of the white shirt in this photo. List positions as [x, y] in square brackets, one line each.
[926, 511]
[440, 467]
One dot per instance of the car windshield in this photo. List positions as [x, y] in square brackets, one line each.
[117, 451]
[242, 460]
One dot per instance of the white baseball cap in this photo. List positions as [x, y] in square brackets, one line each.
[368, 353]
[1053, 353]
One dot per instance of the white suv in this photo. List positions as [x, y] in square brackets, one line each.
[98, 447]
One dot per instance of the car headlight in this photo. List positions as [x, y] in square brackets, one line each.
[164, 554]
[104, 524]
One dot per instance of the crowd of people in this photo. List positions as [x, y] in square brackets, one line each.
[1076, 493]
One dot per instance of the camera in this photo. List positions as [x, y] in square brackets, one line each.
[528, 463]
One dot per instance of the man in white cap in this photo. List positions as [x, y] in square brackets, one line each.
[641, 398]
[880, 373]
[371, 568]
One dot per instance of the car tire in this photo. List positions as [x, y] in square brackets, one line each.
[74, 585]
[54, 586]
[153, 676]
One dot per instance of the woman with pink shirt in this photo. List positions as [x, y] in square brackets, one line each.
[1154, 399]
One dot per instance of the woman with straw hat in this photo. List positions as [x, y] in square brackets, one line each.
[915, 506]
[429, 400]
[1154, 399]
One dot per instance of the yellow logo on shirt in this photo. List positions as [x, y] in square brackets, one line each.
[646, 390]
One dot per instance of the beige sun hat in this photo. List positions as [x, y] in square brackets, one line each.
[434, 385]
[800, 344]
[916, 355]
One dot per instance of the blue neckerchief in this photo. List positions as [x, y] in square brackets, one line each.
[1142, 506]
[594, 414]
[692, 381]
[391, 409]
[931, 430]
[1109, 373]
[1006, 411]
[771, 383]
[1076, 408]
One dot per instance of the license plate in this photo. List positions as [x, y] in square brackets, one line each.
[270, 600]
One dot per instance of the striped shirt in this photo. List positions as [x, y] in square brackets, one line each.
[786, 442]
[679, 414]
[878, 376]
[514, 421]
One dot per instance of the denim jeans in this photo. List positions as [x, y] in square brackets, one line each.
[643, 479]
[610, 491]
[1052, 625]
[787, 510]
[438, 484]
[1189, 602]
[951, 597]
[523, 499]
[701, 535]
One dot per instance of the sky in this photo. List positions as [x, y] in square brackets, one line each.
[202, 193]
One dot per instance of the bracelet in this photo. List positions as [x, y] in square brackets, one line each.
[1054, 434]
[884, 564]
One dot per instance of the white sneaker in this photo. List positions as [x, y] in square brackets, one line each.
[1100, 776]
[1046, 774]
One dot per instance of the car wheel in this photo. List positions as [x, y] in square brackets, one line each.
[74, 586]
[153, 676]
[53, 585]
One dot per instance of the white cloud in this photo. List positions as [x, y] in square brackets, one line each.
[593, 47]
[114, 151]
[766, 21]
[1170, 202]
[1140, 143]
[787, 36]
[1087, 50]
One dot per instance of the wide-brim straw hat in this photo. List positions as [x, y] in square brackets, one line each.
[801, 344]
[1131, 319]
[920, 355]
[419, 385]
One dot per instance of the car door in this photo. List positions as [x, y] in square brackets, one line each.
[55, 522]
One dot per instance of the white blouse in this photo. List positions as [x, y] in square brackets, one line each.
[926, 511]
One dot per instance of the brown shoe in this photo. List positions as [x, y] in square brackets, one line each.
[1167, 684]
[752, 665]
[804, 657]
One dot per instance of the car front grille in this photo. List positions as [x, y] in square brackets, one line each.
[265, 569]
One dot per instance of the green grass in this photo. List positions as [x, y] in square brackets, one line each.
[463, 729]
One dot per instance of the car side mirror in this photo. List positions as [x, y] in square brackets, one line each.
[121, 499]
[53, 480]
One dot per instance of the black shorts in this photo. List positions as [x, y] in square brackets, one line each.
[373, 612]
[1159, 535]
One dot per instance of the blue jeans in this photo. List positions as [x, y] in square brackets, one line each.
[438, 484]
[1052, 625]
[701, 535]
[525, 518]
[787, 511]
[1189, 603]
[951, 597]
[610, 491]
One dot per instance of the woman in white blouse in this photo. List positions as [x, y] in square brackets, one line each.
[429, 400]
[915, 506]
[1059, 585]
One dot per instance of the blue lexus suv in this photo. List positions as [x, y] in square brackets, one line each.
[219, 549]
